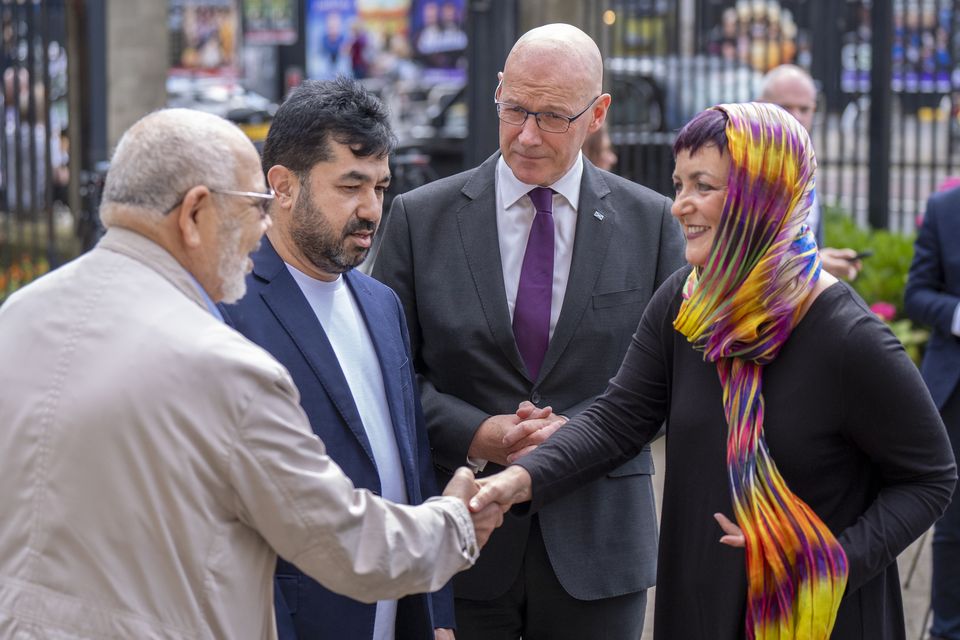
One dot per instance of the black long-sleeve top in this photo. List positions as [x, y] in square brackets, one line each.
[849, 424]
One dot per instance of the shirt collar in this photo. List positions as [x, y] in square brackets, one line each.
[568, 186]
[211, 307]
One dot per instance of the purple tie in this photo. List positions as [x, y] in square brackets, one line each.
[531, 313]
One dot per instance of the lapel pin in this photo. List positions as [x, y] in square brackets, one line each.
[598, 215]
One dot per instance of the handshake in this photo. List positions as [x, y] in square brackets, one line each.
[489, 498]
[502, 439]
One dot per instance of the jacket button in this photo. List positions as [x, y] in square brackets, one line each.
[535, 398]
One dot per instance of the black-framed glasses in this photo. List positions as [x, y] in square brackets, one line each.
[263, 199]
[546, 120]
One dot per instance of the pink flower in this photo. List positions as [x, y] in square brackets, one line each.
[884, 310]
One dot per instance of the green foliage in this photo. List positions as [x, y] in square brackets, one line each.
[884, 274]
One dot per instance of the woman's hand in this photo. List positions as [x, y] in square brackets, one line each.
[733, 535]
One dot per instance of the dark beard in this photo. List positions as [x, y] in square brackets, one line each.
[319, 243]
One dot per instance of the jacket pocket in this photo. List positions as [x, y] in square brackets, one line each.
[618, 298]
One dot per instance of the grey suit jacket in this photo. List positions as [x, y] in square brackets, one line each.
[441, 254]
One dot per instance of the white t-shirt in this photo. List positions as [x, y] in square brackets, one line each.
[342, 321]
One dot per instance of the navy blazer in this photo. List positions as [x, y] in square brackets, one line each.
[276, 315]
[933, 292]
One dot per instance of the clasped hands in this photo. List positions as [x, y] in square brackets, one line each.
[501, 439]
[506, 438]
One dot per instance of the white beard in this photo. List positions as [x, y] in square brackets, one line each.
[232, 269]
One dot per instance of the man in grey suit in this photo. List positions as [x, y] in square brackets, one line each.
[523, 280]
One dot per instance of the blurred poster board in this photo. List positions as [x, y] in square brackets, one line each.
[761, 35]
[270, 22]
[439, 38]
[384, 18]
[203, 37]
[328, 30]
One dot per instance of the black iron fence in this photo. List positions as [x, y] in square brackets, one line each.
[43, 218]
[887, 131]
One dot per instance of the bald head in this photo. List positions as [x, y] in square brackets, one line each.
[566, 50]
[793, 89]
[554, 71]
[166, 153]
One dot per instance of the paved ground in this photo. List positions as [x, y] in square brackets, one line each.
[914, 572]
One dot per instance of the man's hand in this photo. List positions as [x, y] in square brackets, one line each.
[464, 485]
[510, 486]
[537, 425]
[840, 262]
[443, 634]
[529, 411]
[488, 440]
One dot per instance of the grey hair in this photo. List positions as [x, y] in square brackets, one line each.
[165, 154]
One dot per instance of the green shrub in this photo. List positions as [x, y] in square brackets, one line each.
[884, 274]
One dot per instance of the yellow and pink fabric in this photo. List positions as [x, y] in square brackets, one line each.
[739, 309]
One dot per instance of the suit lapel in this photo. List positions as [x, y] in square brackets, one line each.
[293, 312]
[590, 245]
[387, 341]
[477, 221]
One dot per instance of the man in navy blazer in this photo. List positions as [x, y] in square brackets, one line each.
[342, 336]
[932, 297]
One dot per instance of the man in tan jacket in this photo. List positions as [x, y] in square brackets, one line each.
[153, 461]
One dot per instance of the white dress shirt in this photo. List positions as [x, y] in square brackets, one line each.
[515, 215]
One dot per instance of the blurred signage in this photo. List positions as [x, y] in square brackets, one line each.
[270, 22]
[328, 30]
[440, 38]
[203, 37]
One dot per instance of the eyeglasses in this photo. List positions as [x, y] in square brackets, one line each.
[264, 198]
[546, 120]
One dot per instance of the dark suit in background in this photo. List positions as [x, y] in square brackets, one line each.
[276, 315]
[932, 297]
[440, 254]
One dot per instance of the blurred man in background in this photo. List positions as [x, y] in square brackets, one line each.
[599, 149]
[932, 297]
[792, 88]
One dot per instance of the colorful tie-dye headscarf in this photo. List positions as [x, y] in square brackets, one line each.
[739, 309]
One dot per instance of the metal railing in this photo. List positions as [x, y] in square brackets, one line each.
[38, 230]
[887, 131]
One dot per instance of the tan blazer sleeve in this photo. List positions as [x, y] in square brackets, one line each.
[348, 540]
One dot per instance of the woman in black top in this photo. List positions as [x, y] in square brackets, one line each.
[829, 454]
